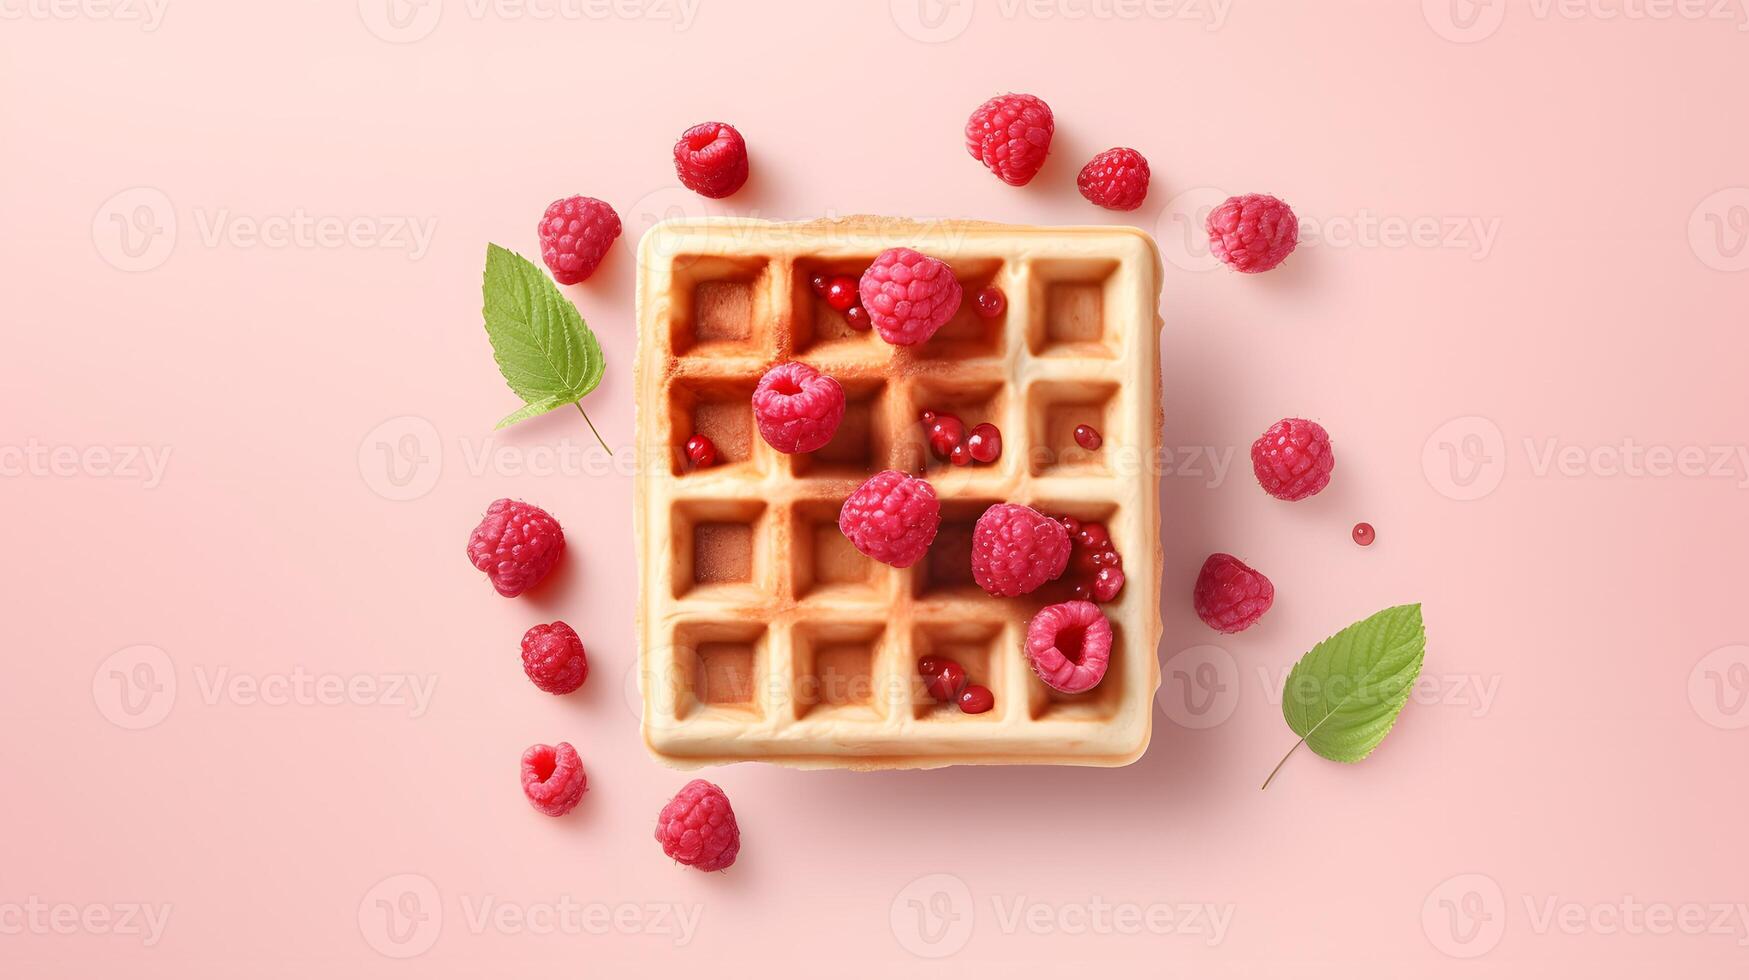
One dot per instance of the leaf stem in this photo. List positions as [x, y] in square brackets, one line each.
[1283, 762]
[592, 428]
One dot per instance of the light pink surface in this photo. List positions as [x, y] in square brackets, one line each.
[1579, 741]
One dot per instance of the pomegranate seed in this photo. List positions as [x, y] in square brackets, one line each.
[841, 293]
[857, 317]
[818, 283]
[1082, 591]
[991, 302]
[976, 700]
[928, 417]
[946, 684]
[1071, 525]
[701, 451]
[961, 455]
[930, 666]
[1108, 583]
[1363, 534]
[985, 442]
[1093, 536]
[946, 432]
[1087, 437]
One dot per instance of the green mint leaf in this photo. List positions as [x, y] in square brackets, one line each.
[549, 357]
[1343, 697]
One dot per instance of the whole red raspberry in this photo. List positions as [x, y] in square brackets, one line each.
[516, 545]
[1252, 232]
[1231, 595]
[1293, 459]
[1116, 179]
[711, 158]
[909, 295]
[553, 778]
[575, 234]
[1069, 645]
[553, 657]
[1011, 134]
[1016, 549]
[892, 518]
[697, 827]
[798, 408]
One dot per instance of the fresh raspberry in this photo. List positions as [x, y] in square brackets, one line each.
[1116, 179]
[909, 295]
[516, 545]
[1011, 134]
[553, 778]
[1231, 595]
[711, 158]
[1069, 645]
[1016, 549]
[575, 234]
[1252, 232]
[697, 827]
[1293, 459]
[798, 408]
[553, 658]
[892, 518]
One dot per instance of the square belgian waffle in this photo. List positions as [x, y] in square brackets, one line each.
[763, 634]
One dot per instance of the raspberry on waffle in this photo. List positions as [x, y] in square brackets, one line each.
[764, 633]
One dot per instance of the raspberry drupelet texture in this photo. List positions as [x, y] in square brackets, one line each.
[1069, 645]
[553, 657]
[1293, 459]
[892, 518]
[909, 295]
[1230, 595]
[1011, 134]
[798, 408]
[516, 545]
[697, 827]
[575, 234]
[1116, 179]
[711, 158]
[553, 778]
[1016, 549]
[1252, 232]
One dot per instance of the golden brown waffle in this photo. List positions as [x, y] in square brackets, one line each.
[763, 634]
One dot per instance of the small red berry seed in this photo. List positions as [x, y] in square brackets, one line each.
[991, 302]
[961, 455]
[841, 293]
[1108, 583]
[818, 284]
[976, 699]
[946, 432]
[701, 451]
[928, 417]
[1071, 525]
[1363, 534]
[1087, 437]
[930, 666]
[946, 684]
[1082, 590]
[985, 442]
[1093, 536]
[857, 317]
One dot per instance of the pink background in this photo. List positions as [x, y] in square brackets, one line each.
[1579, 740]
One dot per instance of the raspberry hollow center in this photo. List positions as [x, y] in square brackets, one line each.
[1070, 643]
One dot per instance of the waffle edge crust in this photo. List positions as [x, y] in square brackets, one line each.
[762, 634]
